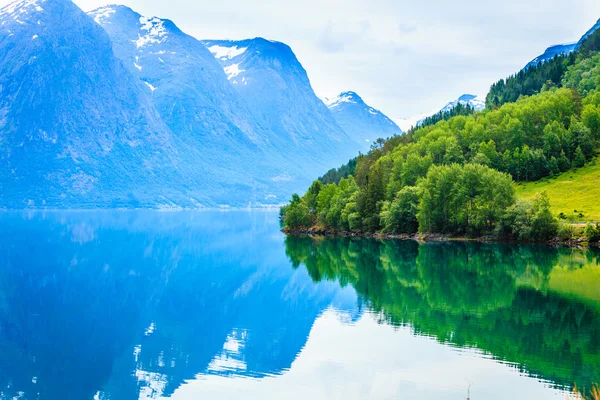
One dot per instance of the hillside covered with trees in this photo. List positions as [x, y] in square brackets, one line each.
[534, 79]
[456, 175]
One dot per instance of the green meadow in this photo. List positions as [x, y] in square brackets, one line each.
[575, 193]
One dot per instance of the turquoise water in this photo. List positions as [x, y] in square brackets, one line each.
[220, 305]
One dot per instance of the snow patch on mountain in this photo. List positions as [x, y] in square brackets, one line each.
[152, 88]
[103, 13]
[226, 53]
[281, 98]
[155, 29]
[347, 97]
[232, 71]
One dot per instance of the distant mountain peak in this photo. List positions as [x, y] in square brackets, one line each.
[590, 32]
[466, 99]
[362, 122]
[344, 97]
[238, 56]
[562, 49]
[152, 30]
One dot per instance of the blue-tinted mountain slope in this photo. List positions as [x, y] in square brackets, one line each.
[362, 122]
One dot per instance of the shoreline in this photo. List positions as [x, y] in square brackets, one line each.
[429, 237]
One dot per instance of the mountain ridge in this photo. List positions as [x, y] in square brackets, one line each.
[474, 101]
[362, 122]
[114, 109]
[274, 83]
[562, 49]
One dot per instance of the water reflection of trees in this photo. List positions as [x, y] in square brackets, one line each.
[492, 297]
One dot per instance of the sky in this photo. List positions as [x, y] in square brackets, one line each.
[403, 57]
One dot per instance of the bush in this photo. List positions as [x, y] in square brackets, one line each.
[592, 233]
[529, 221]
[297, 214]
[566, 231]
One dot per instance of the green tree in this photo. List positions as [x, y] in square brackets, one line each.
[579, 158]
[590, 116]
[297, 214]
[531, 221]
[464, 199]
[312, 195]
[544, 225]
[400, 216]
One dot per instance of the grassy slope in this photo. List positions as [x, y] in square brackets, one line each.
[578, 283]
[574, 190]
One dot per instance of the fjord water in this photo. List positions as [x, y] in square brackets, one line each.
[220, 305]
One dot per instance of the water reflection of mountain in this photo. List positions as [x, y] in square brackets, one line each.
[111, 305]
[495, 298]
[132, 304]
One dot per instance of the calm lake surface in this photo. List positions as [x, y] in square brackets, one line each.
[221, 305]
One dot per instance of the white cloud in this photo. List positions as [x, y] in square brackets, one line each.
[401, 56]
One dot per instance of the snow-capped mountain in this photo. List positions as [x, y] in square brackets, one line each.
[276, 88]
[193, 96]
[362, 122]
[113, 109]
[558, 49]
[70, 111]
[552, 52]
[474, 101]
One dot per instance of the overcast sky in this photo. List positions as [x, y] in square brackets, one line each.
[402, 56]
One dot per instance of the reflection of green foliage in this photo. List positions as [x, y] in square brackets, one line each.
[455, 282]
[492, 297]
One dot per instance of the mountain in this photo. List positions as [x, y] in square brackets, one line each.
[113, 109]
[552, 52]
[590, 32]
[76, 127]
[559, 49]
[466, 99]
[277, 90]
[363, 123]
[194, 98]
[187, 86]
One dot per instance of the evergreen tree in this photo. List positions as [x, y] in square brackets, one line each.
[579, 159]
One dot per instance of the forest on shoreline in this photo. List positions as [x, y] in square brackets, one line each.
[456, 173]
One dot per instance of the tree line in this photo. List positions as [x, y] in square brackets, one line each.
[456, 176]
[542, 76]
